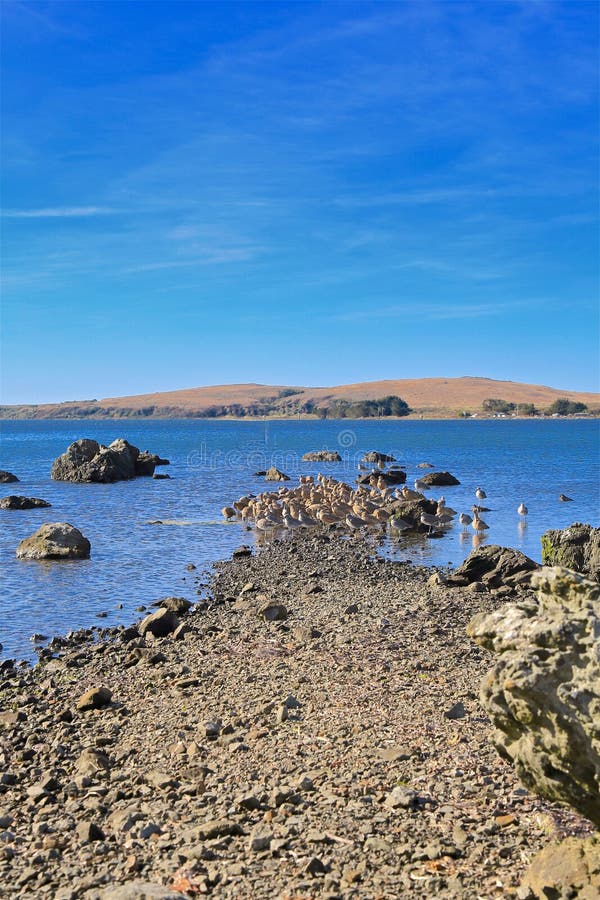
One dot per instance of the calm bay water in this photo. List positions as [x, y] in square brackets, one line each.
[134, 562]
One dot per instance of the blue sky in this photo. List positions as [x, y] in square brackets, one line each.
[297, 193]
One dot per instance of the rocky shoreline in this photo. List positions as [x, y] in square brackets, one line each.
[311, 728]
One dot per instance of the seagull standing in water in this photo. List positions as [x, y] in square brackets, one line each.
[522, 510]
[480, 494]
[479, 524]
[465, 520]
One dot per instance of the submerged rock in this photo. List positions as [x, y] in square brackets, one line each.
[543, 695]
[576, 547]
[495, 566]
[322, 456]
[7, 477]
[55, 540]
[88, 461]
[13, 501]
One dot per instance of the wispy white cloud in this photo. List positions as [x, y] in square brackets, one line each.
[57, 212]
[428, 312]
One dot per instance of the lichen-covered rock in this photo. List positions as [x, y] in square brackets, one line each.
[543, 695]
[322, 456]
[274, 474]
[55, 540]
[576, 547]
[87, 461]
[568, 869]
[495, 566]
[13, 501]
[439, 479]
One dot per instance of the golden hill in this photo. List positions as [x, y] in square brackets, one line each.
[429, 397]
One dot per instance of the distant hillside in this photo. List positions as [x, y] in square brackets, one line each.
[426, 397]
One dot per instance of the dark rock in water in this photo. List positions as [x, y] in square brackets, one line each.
[159, 476]
[7, 477]
[392, 476]
[543, 695]
[274, 474]
[322, 456]
[425, 465]
[12, 501]
[568, 869]
[260, 474]
[55, 540]
[373, 456]
[87, 461]
[439, 479]
[576, 547]
[144, 464]
[564, 499]
[494, 566]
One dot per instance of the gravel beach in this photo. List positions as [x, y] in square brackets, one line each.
[311, 728]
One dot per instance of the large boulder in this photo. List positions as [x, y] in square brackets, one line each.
[568, 869]
[495, 566]
[439, 479]
[576, 547]
[322, 456]
[55, 540]
[13, 501]
[7, 477]
[543, 695]
[87, 461]
[411, 511]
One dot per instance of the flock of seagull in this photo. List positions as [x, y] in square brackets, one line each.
[325, 501]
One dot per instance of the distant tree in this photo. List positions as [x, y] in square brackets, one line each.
[565, 407]
[526, 409]
[498, 406]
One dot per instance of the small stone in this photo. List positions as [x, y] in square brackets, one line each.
[88, 832]
[282, 713]
[457, 711]
[436, 580]
[216, 828]
[274, 612]
[260, 839]
[149, 831]
[11, 717]
[402, 797]
[160, 624]
[95, 698]
[213, 727]
[92, 761]
[505, 821]
[315, 867]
